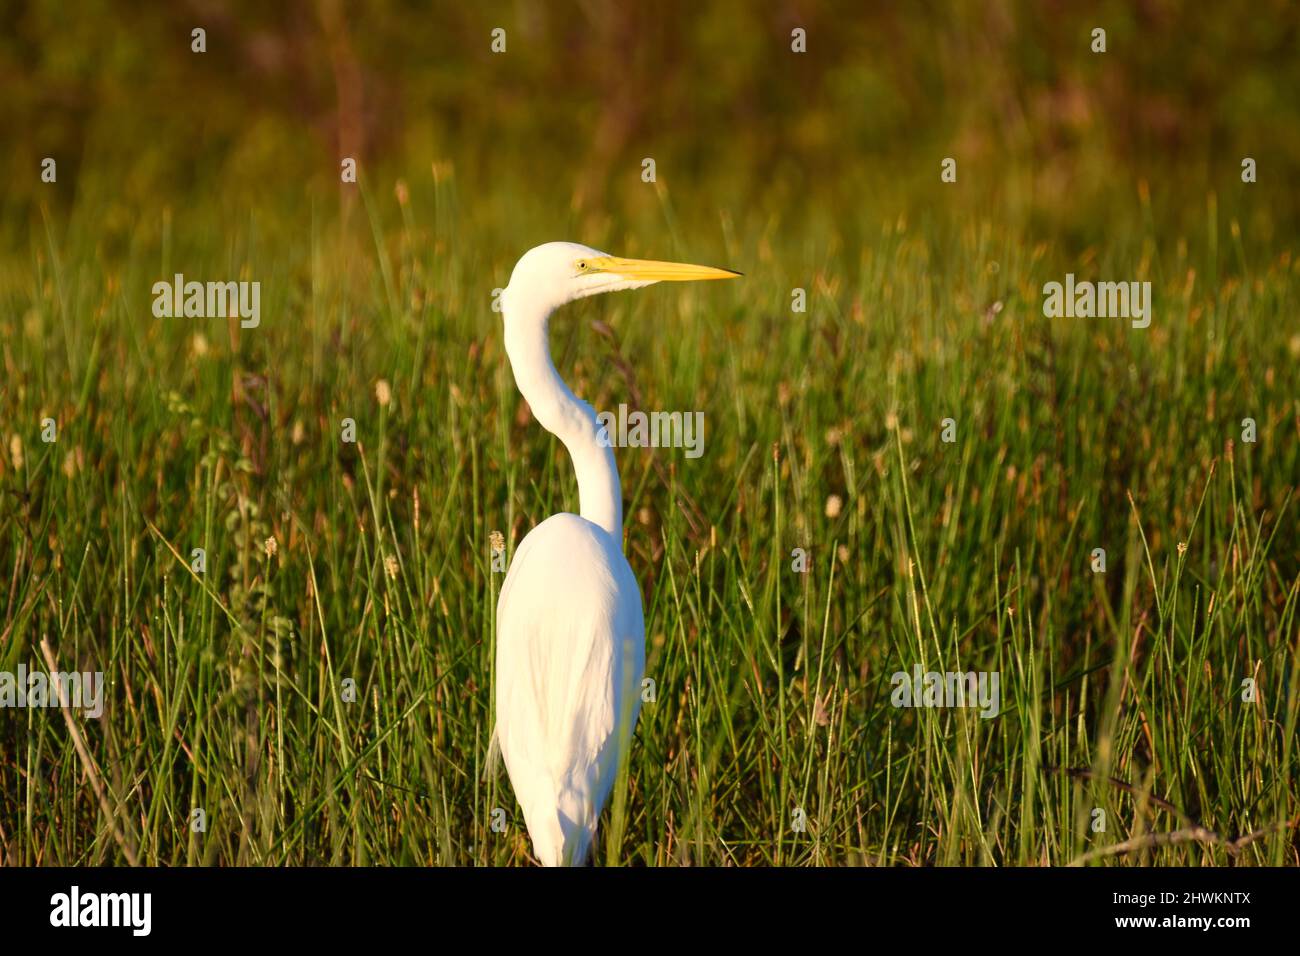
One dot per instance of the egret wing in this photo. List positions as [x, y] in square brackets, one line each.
[570, 657]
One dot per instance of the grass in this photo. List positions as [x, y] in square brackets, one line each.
[822, 432]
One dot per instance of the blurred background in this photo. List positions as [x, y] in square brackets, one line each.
[554, 130]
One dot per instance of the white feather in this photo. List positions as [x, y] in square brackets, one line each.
[570, 634]
[570, 658]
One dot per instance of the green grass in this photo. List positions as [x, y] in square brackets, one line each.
[773, 688]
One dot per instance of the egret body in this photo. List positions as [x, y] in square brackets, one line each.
[570, 633]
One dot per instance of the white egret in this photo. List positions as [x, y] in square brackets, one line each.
[570, 633]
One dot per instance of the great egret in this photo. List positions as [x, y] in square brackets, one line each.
[570, 631]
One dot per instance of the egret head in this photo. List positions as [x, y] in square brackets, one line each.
[549, 275]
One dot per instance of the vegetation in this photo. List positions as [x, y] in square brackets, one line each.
[329, 561]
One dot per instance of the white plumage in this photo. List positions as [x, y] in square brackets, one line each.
[570, 634]
[570, 658]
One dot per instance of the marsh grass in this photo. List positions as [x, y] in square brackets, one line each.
[773, 688]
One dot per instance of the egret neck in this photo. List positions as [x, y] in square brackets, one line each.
[563, 414]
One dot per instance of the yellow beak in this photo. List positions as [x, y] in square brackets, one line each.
[649, 270]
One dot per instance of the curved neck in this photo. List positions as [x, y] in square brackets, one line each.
[565, 416]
